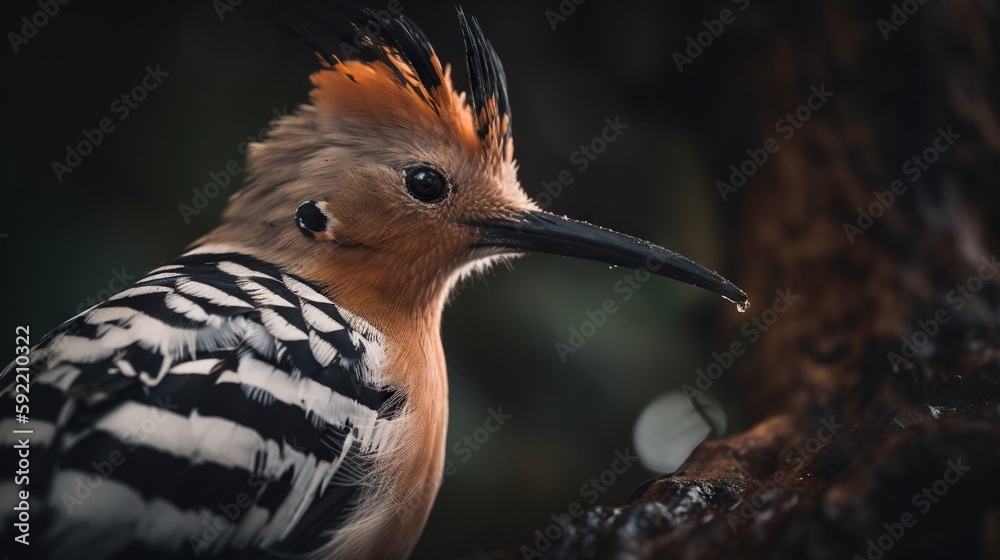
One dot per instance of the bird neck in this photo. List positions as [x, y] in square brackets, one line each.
[398, 296]
[400, 299]
[404, 302]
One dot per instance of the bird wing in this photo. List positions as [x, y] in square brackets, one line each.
[217, 404]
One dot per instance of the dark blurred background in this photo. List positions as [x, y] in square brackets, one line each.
[66, 244]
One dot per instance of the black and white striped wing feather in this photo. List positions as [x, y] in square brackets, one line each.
[217, 406]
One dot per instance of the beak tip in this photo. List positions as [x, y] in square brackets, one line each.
[731, 292]
[742, 302]
[737, 296]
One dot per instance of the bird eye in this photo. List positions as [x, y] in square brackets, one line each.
[426, 184]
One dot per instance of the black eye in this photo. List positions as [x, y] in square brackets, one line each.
[426, 184]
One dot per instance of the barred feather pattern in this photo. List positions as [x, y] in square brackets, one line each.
[218, 406]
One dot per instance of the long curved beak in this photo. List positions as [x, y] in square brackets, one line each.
[548, 233]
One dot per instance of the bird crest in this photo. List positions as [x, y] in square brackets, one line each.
[388, 76]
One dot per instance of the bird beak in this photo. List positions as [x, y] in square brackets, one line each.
[548, 233]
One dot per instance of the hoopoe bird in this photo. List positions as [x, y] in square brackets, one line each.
[279, 390]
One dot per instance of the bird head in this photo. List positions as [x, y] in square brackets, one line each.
[390, 184]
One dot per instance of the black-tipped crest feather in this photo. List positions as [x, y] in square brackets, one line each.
[486, 76]
[370, 35]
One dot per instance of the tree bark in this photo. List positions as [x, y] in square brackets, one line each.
[894, 334]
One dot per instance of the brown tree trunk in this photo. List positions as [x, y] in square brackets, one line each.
[894, 334]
